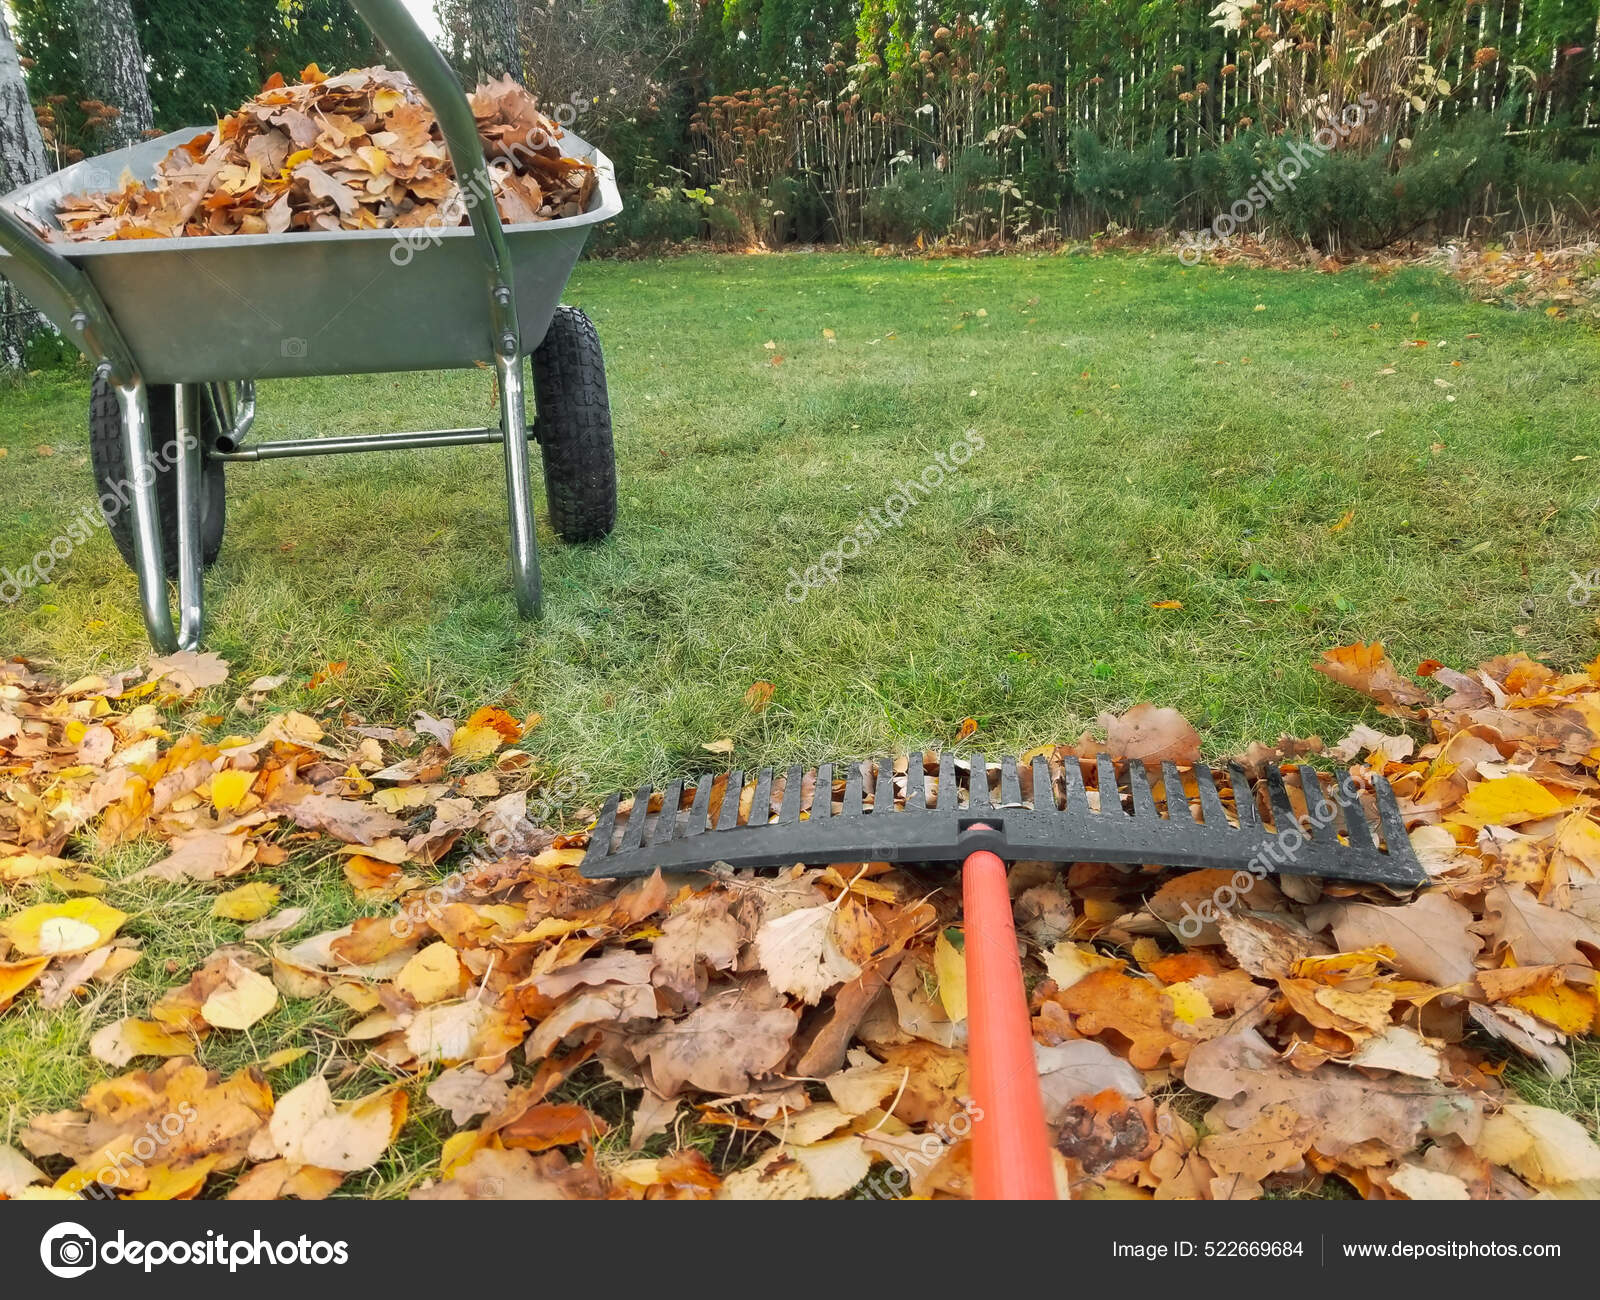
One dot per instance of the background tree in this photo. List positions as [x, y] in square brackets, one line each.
[113, 70]
[201, 60]
[496, 40]
[22, 159]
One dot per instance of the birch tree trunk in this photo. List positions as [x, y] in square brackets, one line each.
[113, 67]
[496, 41]
[22, 159]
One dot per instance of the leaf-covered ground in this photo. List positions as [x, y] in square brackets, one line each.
[518, 1031]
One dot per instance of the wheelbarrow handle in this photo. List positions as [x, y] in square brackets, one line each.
[96, 334]
[420, 59]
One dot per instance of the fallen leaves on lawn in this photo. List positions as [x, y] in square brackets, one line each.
[815, 1016]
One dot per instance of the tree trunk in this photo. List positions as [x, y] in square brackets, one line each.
[497, 43]
[113, 67]
[22, 159]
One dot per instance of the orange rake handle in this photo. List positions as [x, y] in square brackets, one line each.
[1010, 1143]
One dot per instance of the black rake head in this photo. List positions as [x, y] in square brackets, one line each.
[931, 808]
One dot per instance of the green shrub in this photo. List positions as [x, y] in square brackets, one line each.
[1138, 188]
[918, 201]
[651, 217]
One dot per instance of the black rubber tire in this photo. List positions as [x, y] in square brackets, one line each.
[107, 455]
[573, 426]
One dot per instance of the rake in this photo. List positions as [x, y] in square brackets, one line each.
[1290, 819]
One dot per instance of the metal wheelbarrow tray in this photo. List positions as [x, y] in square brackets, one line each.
[211, 315]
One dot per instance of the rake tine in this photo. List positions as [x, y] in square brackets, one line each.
[822, 794]
[916, 784]
[883, 801]
[633, 837]
[600, 836]
[1075, 799]
[761, 805]
[1172, 788]
[1144, 799]
[1311, 788]
[1283, 814]
[667, 819]
[1109, 806]
[1212, 813]
[852, 791]
[732, 797]
[1010, 783]
[1244, 798]
[1356, 829]
[1044, 786]
[977, 783]
[949, 796]
[793, 787]
[1394, 826]
[697, 810]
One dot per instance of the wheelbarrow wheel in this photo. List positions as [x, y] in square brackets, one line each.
[573, 426]
[112, 479]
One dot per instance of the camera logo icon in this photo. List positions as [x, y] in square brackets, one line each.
[68, 1250]
[292, 348]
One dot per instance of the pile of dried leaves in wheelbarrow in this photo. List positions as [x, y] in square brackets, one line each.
[359, 151]
[520, 1032]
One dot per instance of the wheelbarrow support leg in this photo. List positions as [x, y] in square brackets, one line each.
[423, 63]
[149, 562]
[519, 490]
[191, 579]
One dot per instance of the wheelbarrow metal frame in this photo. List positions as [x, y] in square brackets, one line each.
[203, 357]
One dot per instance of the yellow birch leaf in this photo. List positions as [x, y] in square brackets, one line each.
[432, 975]
[950, 965]
[229, 787]
[62, 929]
[17, 975]
[474, 742]
[247, 903]
[1506, 801]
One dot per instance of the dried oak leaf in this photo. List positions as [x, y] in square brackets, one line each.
[702, 933]
[351, 820]
[1107, 1135]
[1345, 1108]
[492, 1174]
[1430, 938]
[736, 1034]
[308, 1127]
[1107, 1001]
[1538, 934]
[1364, 667]
[189, 671]
[467, 1091]
[1151, 733]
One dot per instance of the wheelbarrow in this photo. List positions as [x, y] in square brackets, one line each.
[179, 330]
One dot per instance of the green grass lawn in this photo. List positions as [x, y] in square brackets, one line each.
[1150, 434]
